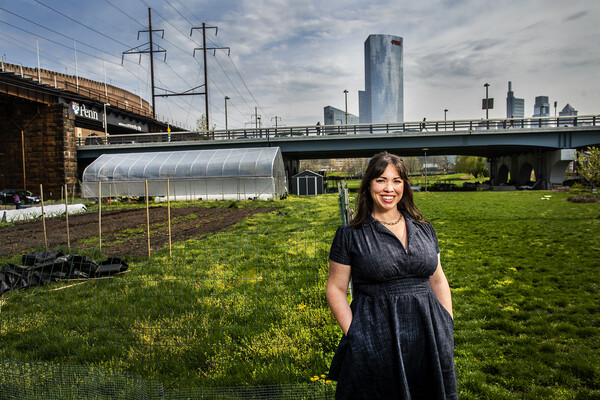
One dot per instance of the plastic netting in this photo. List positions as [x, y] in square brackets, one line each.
[21, 380]
[227, 316]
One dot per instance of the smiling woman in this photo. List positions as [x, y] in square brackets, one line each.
[398, 330]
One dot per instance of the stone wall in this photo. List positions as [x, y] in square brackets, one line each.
[49, 143]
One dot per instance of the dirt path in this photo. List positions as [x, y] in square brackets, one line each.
[123, 231]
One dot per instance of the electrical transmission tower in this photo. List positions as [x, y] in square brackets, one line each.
[151, 50]
[204, 48]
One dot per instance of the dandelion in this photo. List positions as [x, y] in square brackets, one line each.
[314, 378]
[301, 306]
[323, 376]
[328, 382]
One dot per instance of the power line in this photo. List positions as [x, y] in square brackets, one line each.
[82, 24]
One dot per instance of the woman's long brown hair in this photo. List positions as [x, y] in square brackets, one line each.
[376, 167]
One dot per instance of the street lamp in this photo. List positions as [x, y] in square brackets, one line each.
[346, 98]
[425, 150]
[487, 101]
[226, 98]
[105, 121]
[445, 111]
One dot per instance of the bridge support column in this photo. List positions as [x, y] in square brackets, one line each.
[556, 163]
[48, 143]
[516, 170]
[292, 167]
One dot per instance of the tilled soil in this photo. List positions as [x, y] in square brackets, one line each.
[123, 231]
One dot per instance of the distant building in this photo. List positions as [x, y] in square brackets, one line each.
[515, 108]
[567, 111]
[383, 98]
[541, 107]
[335, 116]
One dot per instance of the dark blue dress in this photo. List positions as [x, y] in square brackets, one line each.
[400, 343]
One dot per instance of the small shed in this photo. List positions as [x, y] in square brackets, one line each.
[307, 183]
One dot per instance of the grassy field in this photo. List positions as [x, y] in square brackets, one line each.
[247, 307]
[419, 180]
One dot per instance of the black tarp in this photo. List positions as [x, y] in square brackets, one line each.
[44, 267]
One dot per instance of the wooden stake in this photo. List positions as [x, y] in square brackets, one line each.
[169, 216]
[43, 216]
[100, 216]
[67, 217]
[147, 218]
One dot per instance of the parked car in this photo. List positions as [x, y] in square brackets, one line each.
[8, 196]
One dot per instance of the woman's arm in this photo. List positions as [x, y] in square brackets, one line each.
[337, 294]
[441, 288]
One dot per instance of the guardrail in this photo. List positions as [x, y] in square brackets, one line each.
[422, 127]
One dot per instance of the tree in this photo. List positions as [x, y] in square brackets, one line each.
[471, 165]
[202, 125]
[588, 165]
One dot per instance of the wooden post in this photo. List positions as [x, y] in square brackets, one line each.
[100, 216]
[67, 217]
[169, 216]
[147, 218]
[43, 216]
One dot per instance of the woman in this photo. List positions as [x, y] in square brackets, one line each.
[397, 341]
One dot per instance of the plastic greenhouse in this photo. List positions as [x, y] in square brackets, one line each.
[224, 174]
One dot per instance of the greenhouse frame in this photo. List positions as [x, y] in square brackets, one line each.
[222, 174]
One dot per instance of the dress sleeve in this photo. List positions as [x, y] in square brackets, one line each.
[340, 247]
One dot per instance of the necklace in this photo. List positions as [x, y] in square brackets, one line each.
[389, 223]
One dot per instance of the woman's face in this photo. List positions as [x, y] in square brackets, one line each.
[387, 190]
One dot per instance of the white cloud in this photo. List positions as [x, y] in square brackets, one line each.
[297, 57]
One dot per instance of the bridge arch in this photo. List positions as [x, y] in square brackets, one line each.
[503, 174]
[525, 173]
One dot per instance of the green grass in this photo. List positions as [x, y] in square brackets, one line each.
[419, 180]
[247, 306]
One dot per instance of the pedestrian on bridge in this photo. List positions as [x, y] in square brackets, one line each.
[397, 338]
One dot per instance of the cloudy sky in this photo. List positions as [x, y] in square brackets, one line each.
[289, 59]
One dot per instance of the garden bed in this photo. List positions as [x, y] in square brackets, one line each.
[123, 231]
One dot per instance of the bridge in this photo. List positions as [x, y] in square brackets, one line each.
[514, 147]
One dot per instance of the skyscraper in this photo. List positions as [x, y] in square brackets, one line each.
[541, 107]
[515, 108]
[335, 116]
[383, 98]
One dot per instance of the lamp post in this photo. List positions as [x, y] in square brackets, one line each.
[445, 111]
[346, 100]
[105, 121]
[226, 130]
[425, 150]
[487, 101]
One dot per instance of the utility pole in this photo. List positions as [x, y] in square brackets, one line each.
[204, 48]
[150, 50]
[276, 118]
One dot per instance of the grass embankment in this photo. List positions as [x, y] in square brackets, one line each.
[248, 306]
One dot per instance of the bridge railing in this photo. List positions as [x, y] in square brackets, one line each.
[422, 127]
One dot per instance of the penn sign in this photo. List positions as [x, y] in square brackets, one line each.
[81, 110]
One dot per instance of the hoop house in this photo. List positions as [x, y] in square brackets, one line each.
[225, 174]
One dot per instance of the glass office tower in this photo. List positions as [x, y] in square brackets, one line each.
[382, 100]
[515, 108]
[541, 107]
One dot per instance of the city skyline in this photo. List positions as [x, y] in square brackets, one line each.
[292, 59]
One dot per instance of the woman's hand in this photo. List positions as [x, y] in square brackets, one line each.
[337, 294]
